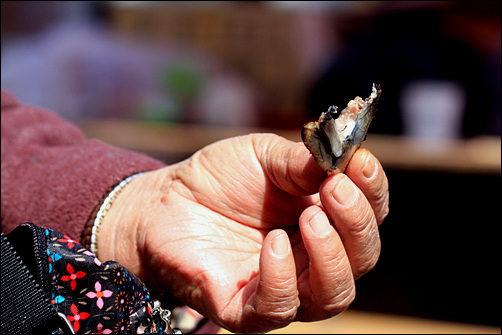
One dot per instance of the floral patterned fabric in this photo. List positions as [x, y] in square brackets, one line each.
[97, 298]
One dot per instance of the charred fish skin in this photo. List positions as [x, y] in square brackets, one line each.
[318, 142]
[333, 139]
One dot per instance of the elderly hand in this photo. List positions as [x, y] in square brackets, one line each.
[250, 232]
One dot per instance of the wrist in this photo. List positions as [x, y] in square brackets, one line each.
[103, 209]
[121, 231]
[113, 221]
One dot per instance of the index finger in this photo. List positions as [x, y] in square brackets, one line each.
[289, 165]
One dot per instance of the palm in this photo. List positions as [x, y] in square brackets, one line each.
[211, 230]
[221, 214]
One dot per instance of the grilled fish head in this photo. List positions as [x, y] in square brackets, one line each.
[334, 138]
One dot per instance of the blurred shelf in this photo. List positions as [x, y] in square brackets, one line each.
[173, 141]
[356, 322]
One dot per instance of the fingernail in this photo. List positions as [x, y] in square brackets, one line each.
[369, 167]
[320, 225]
[280, 245]
[344, 192]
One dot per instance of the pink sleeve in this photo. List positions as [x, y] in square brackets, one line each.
[51, 174]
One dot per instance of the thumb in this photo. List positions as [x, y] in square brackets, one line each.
[289, 165]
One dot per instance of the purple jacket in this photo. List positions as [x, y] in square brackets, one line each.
[51, 174]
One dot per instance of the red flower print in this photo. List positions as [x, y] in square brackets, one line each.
[67, 239]
[76, 317]
[72, 276]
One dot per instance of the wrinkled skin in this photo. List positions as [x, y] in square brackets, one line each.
[250, 232]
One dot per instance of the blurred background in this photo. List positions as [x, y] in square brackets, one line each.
[168, 77]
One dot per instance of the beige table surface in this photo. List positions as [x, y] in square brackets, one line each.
[357, 322]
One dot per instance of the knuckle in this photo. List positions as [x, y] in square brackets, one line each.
[378, 193]
[365, 237]
[384, 212]
[363, 217]
[323, 306]
[380, 203]
[281, 316]
[347, 301]
[278, 318]
[340, 303]
[340, 298]
[368, 260]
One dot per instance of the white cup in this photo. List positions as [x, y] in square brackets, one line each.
[433, 109]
